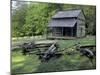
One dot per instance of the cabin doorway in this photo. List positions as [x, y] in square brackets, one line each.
[66, 31]
[69, 31]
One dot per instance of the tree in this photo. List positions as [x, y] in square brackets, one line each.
[18, 19]
[38, 17]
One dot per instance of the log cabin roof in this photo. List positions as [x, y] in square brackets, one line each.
[67, 14]
[62, 23]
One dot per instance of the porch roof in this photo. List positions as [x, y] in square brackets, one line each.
[62, 23]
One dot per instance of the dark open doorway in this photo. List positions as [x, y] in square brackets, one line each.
[66, 31]
[69, 31]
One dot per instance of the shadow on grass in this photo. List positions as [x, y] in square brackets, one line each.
[64, 64]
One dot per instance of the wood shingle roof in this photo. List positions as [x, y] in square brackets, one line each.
[67, 14]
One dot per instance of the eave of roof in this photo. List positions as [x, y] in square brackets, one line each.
[62, 23]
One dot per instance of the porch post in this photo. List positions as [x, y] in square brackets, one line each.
[72, 31]
[62, 31]
[52, 31]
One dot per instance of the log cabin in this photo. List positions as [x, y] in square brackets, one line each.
[67, 24]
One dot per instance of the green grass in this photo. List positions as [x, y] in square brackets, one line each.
[83, 41]
[31, 64]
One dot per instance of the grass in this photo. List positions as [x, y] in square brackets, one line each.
[31, 63]
[83, 41]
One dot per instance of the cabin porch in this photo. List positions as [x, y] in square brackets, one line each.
[62, 32]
